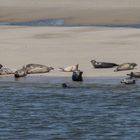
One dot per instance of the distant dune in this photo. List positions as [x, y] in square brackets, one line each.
[79, 12]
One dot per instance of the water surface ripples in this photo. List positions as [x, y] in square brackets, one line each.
[40, 111]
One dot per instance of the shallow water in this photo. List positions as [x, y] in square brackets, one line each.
[61, 22]
[102, 110]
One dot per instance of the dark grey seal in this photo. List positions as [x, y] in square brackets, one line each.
[1, 66]
[102, 64]
[64, 85]
[37, 68]
[21, 73]
[6, 71]
[126, 66]
[134, 74]
[77, 75]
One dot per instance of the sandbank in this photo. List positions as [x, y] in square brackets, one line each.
[64, 46]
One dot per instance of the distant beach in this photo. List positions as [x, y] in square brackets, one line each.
[79, 12]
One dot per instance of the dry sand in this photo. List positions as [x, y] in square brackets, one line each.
[63, 46]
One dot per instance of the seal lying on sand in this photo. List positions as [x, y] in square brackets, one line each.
[70, 68]
[77, 75]
[21, 73]
[37, 68]
[102, 64]
[6, 71]
[134, 74]
[125, 66]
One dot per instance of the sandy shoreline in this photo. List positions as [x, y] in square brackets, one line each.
[64, 46]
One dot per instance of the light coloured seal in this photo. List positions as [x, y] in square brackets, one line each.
[126, 66]
[128, 81]
[70, 68]
[21, 72]
[6, 71]
[37, 68]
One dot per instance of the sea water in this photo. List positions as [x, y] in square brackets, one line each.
[91, 110]
[61, 23]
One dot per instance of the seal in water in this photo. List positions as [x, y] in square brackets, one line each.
[125, 66]
[129, 81]
[70, 68]
[134, 74]
[21, 73]
[6, 71]
[77, 75]
[64, 85]
[37, 68]
[102, 64]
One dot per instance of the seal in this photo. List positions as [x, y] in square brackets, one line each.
[102, 64]
[1, 66]
[129, 81]
[6, 71]
[37, 68]
[21, 72]
[64, 85]
[77, 75]
[134, 74]
[126, 66]
[70, 68]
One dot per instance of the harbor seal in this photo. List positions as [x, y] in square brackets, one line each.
[77, 75]
[37, 68]
[134, 74]
[21, 73]
[125, 66]
[1, 66]
[6, 71]
[70, 68]
[129, 81]
[64, 85]
[102, 64]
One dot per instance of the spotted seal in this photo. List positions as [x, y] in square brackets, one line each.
[125, 66]
[37, 68]
[102, 64]
[6, 71]
[21, 72]
[129, 81]
[134, 74]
